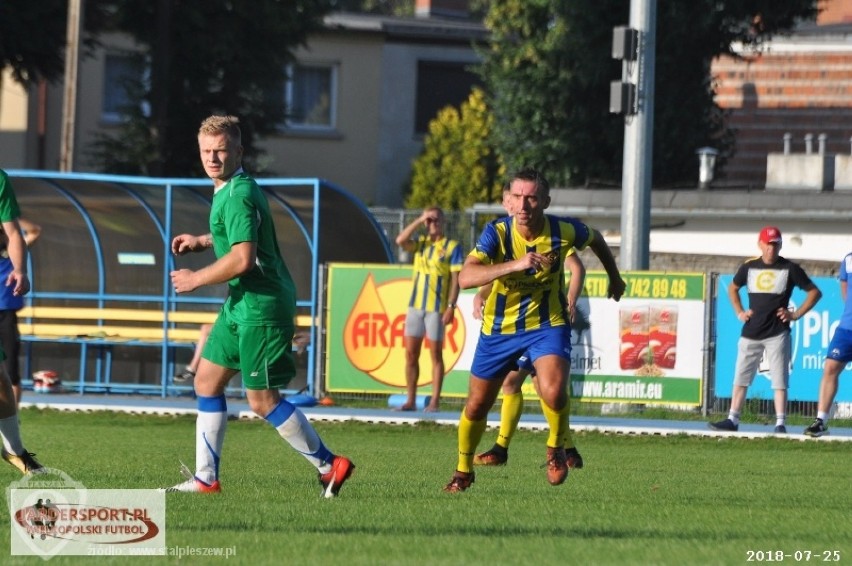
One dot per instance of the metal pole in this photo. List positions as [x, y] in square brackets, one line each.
[638, 142]
[69, 101]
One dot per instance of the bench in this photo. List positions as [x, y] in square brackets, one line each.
[104, 328]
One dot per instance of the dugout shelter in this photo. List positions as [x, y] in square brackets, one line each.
[105, 244]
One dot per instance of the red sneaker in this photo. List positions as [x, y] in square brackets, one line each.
[333, 480]
[460, 482]
[497, 456]
[557, 465]
[194, 485]
[575, 461]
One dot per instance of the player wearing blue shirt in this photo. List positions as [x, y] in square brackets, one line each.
[839, 354]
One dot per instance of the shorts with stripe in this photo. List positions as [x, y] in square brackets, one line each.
[498, 354]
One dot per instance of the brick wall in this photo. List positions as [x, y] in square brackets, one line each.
[775, 93]
[834, 11]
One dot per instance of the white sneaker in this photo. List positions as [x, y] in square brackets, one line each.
[192, 484]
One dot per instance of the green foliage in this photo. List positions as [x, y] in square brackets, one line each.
[216, 56]
[459, 165]
[549, 66]
[33, 36]
[638, 500]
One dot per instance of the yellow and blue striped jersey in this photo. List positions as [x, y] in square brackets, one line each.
[433, 264]
[528, 300]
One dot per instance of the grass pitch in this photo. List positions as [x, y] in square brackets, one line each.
[639, 499]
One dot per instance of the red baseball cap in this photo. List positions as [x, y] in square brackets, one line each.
[770, 234]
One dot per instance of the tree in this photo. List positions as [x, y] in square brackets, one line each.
[548, 69]
[33, 35]
[459, 165]
[216, 56]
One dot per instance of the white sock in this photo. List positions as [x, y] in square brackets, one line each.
[823, 417]
[735, 417]
[209, 436]
[780, 420]
[295, 428]
[11, 433]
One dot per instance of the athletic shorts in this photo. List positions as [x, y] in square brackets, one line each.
[525, 363]
[750, 352]
[420, 323]
[496, 355]
[840, 348]
[264, 354]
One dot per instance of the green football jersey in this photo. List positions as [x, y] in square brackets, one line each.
[266, 295]
[8, 203]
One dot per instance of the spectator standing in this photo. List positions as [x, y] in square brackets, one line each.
[432, 305]
[769, 281]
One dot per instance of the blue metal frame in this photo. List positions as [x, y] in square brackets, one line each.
[168, 298]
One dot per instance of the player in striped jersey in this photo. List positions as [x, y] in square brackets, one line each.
[432, 306]
[526, 312]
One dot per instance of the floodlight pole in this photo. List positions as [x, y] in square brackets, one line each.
[639, 142]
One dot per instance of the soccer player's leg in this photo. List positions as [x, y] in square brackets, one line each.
[510, 415]
[13, 450]
[210, 425]
[493, 359]
[275, 367]
[474, 417]
[550, 354]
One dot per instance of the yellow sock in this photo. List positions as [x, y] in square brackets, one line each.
[558, 423]
[510, 414]
[470, 433]
[569, 438]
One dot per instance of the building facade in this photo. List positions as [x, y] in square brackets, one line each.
[798, 85]
[360, 97]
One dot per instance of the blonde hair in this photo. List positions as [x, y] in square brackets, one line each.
[228, 125]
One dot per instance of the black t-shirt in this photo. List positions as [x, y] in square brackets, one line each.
[769, 288]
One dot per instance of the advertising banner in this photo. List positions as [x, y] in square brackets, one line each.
[649, 347]
[809, 337]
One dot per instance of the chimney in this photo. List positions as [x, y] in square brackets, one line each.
[442, 8]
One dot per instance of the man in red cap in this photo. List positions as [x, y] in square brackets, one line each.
[769, 280]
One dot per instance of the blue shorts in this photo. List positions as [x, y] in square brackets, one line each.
[525, 363]
[497, 355]
[840, 348]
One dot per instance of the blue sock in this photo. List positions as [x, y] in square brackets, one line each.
[294, 427]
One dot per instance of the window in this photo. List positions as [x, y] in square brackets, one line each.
[310, 97]
[124, 73]
[440, 84]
